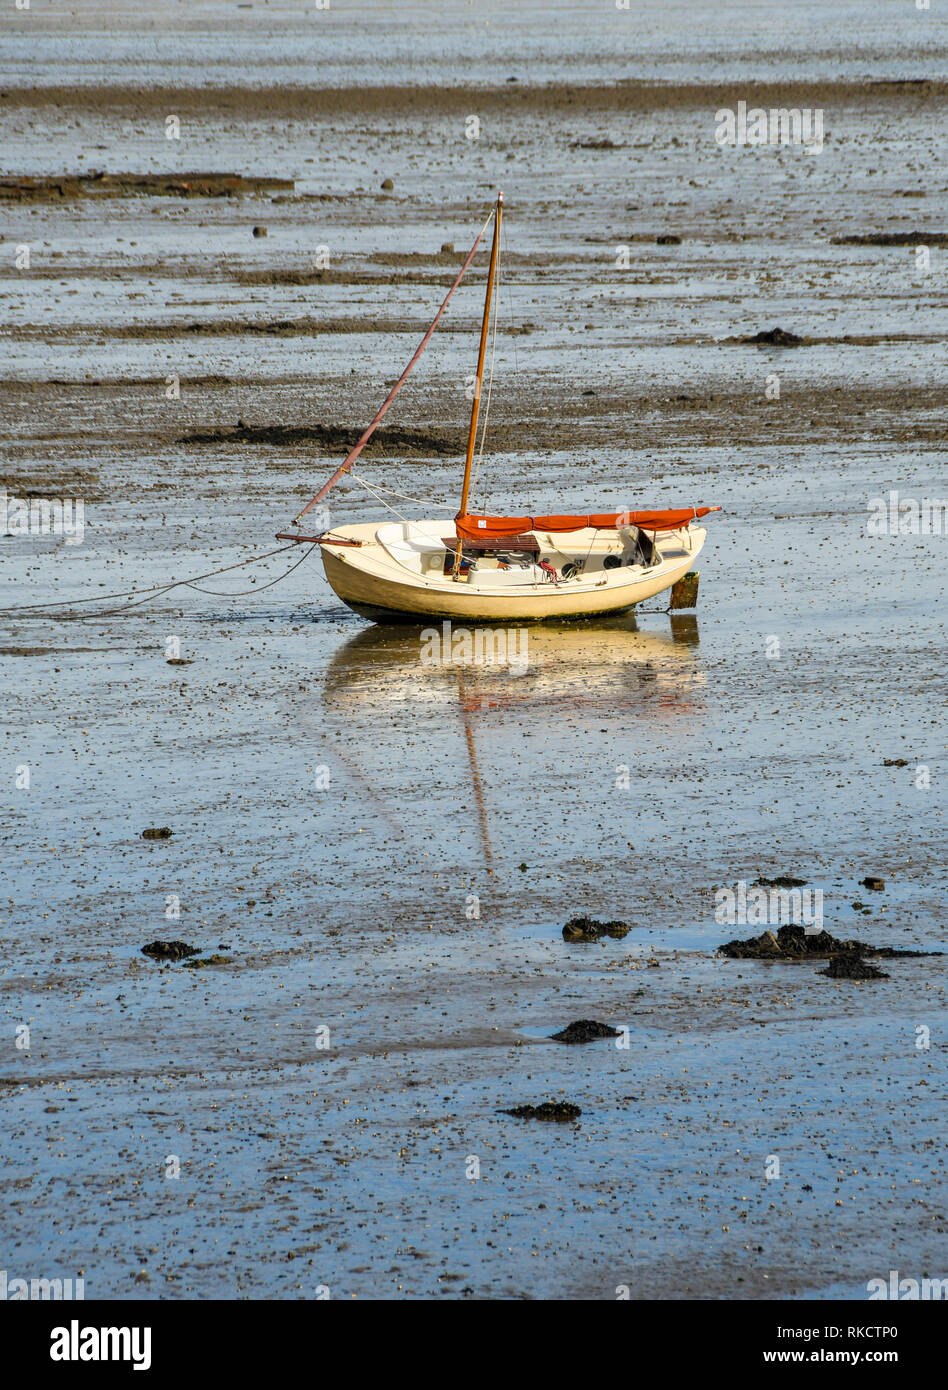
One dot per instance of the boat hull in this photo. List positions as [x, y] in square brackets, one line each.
[387, 598]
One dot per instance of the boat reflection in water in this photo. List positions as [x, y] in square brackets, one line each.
[603, 668]
[549, 681]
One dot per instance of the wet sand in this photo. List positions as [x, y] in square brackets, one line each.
[335, 804]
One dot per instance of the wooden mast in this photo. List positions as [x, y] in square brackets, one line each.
[477, 383]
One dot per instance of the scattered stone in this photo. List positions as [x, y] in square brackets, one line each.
[876, 885]
[777, 337]
[169, 950]
[387, 185]
[668, 239]
[560, 1110]
[586, 929]
[207, 960]
[260, 231]
[447, 248]
[157, 832]
[895, 762]
[852, 968]
[585, 1030]
[180, 660]
[605, 144]
[784, 881]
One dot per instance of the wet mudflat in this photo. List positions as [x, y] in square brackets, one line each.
[373, 860]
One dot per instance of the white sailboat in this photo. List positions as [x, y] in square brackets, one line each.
[486, 569]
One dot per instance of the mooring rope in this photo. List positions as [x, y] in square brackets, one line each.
[140, 596]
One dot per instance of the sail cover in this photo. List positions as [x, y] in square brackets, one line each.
[474, 527]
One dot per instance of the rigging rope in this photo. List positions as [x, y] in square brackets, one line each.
[490, 378]
[419, 501]
[404, 519]
[354, 453]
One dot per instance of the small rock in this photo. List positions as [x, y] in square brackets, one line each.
[895, 762]
[260, 231]
[784, 881]
[157, 832]
[876, 885]
[668, 239]
[207, 960]
[447, 248]
[387, 185]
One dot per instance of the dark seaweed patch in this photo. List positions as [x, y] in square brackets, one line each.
[586, 929]
[585, 1030]
[559, 1111]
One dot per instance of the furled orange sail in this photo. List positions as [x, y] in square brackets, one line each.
[476, 527]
